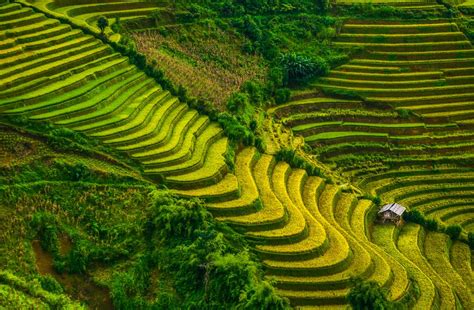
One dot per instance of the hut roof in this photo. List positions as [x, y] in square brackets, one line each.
[394, 207]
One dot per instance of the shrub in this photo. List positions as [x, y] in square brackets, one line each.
[102, 23]
[300, 68]
[282, 95]
[295, 161]
[263, 296]
[46, 229]
[255, 92]
[323, 5]
[50, 284]
[368, 295]
[116, 26]
[470, 239]
[414, 216]
[404, 113]
[234, 130]
[431, 224]
[454, 231]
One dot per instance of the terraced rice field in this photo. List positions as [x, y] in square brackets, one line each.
[311, 236]
[411, 5]
[87, 12]
[416, 79]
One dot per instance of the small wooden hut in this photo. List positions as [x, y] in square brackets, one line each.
[391, 212]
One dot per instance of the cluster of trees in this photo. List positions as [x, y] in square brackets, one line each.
[368, 295]
[296, 161]
[454, 231]
[236, 8]
[175, 256]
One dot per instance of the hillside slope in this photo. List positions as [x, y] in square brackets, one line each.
[311, 235]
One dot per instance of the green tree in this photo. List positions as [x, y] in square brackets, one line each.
[300, 68]
[368, 295]
[102, 23]
[470, 240]
[454, 231]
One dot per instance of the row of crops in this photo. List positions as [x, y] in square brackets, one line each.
[400, 126]
[312, 236]
[409, 135]
[87, 13]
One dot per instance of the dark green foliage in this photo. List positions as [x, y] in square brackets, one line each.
[414, 216]
[282, 95]
[79, 257]
[369, 10]
[454, 231]
[102, 23]
[235, 130]
[209, 264]
[45, 227]
[230, 156]
[230, 274]
[295, 161]
[116, 26]
[179, 221]
[404, 113]
[62, 139]
[50, 284]
[323, 5]
[255, 91]
[375, 199]
[263, 296]
[368, 295]
[341, 93]
[470, 239]
[466, 25]
[431, 224]
[193, 12]
[300, 68]
[239, 105]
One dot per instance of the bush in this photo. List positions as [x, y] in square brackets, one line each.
[431, 224]
[414, 216]
[454, 231]
[282, 95]
[470, 239]
[295, 161]
[300, 68]
[50, 284]
[368, 295]
[46, 229]
[102, 23]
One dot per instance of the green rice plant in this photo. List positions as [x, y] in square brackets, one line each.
[244, 163]
[295, 228]
[460, 257]
[174, 138]
[436, 250]
[315, 241]
[226, 190]
[203, 142]
[385, 237]
[411, 243]
[208, 169]
[360, 226]
[19, 292]
[38, 99]
[132, 116]
[102, 112]
[335, 259]
[115, 96]
[151, 133]
[185, 152]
